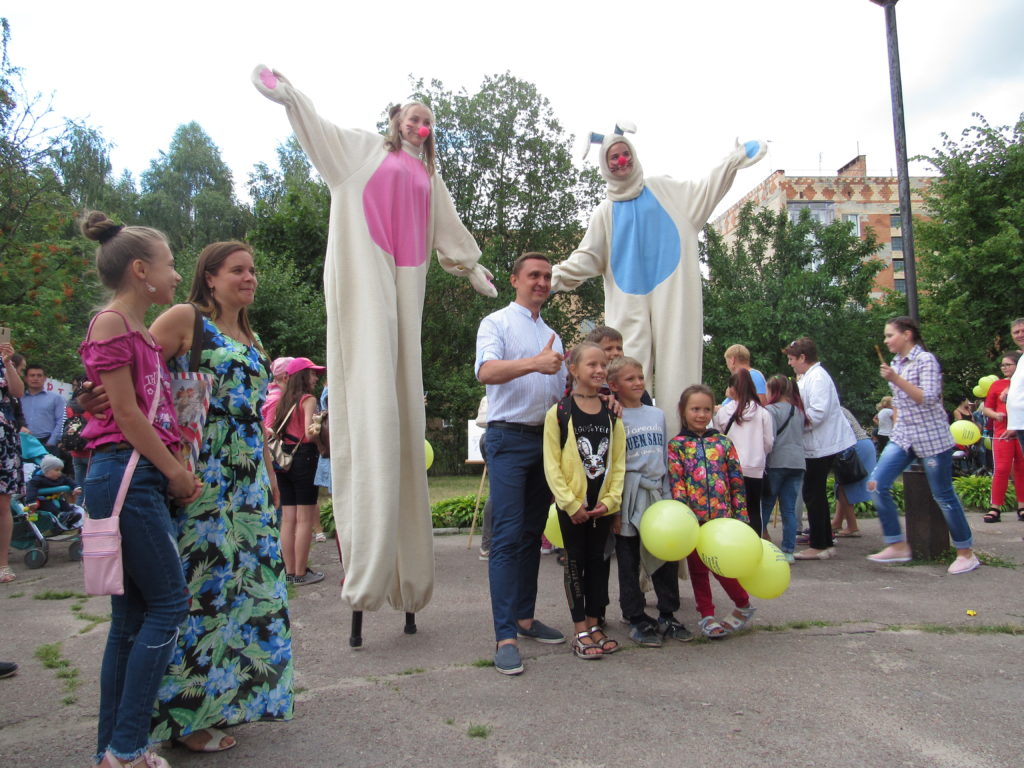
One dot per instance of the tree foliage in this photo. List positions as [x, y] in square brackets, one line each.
[187, 193]
[779, 280]
[972, 250]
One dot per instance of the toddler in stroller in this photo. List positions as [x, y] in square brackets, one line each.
[47, 512]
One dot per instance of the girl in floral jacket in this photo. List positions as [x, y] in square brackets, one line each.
[704, 473]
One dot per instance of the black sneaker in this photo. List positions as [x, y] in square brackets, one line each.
[309, 577]
[7, 668]
[669, 628]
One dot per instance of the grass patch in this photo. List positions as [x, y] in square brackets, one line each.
[413, 671]
[794, 625]
[948, 555]
[300, 689]
[1015, 630]
[51, 658]
[16, 594]
[483, 663]
[449, 721]
[478, 731]
[65, 594]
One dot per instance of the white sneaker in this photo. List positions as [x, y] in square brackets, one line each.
[964, 564]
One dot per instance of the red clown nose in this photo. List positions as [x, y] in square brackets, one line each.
[424, 131]
[622, 161]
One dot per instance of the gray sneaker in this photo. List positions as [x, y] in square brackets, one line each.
[507, 659]
[671, 629]
[645, 633]
[309, 577]
[541, 632]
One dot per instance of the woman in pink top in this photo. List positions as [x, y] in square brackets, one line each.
[137, 264]
[290, 417]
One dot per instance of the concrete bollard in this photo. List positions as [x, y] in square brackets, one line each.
[927, 532]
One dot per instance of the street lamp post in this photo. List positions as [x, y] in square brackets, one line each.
[900, 135]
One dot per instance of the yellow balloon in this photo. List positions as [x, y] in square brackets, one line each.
[771, 577]
[669, 530]
[991, 379]
[553, 530]
[980, 391]
[430, 453]
[965, 432]
[729, 547]
[988, 443]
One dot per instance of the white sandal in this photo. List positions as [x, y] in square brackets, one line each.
[733, 623]
[6, 574]
[712, 629]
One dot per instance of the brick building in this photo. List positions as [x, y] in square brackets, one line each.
[851, 195]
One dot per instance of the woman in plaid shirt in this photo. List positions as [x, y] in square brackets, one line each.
[920, 432]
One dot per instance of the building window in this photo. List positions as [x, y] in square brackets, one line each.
[897, 265]
[900, 285]
[854, 219]
[823, 212]
[895, 221]
[897, 244]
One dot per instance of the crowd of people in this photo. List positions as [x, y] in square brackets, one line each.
[200, 639]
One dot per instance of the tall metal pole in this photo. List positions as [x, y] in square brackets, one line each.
[900, 135]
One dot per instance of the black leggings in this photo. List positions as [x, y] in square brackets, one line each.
[584, 565]
[753, 487]
[665, 581]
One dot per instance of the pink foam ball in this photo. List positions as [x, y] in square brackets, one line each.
[423, 131]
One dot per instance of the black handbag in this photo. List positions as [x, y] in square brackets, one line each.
[849, 468]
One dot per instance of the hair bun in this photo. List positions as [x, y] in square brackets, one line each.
[96, 226]
[394, 111]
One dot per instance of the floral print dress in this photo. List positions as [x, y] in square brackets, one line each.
[11, 479]
[233, 662]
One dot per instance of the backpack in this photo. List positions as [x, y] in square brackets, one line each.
[565, 410]
[71, 434]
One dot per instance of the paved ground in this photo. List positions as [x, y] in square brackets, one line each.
[856, 665]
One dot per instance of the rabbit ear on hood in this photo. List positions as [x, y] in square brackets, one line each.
[619, 188]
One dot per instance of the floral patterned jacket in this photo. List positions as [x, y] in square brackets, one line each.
[704, 473]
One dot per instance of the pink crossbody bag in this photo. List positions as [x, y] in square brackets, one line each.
[101, 539]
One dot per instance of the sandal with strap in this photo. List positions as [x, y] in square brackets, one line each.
[145, 760]
[993, 515]
[711, 629]
[608, 645]
[206, 740]
[734, 623]
[586, 651]
[6, 574]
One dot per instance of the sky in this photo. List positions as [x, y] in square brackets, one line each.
[810, 76]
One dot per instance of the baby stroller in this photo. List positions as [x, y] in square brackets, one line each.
[51, 517]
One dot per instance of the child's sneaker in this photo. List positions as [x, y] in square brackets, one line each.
[669, 628]
[645, 633]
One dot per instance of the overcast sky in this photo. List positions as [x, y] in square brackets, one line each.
[809, 75]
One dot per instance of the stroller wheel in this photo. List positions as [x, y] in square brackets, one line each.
[75, 551]
[36, 558]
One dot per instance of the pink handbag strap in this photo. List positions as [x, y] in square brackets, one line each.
[122, 491]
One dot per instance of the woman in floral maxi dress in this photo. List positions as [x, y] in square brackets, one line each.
[233, 663]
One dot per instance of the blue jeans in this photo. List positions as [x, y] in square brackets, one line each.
[783, 484]
[144, 620]
[939, 471]
[520, 500]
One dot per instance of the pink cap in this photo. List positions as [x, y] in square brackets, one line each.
[280, 366]
[303, 364]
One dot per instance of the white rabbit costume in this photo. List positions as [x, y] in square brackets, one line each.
[387, 214]
[643, 240]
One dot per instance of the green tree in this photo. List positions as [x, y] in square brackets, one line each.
[187, 193]
[46, 286]
[972, 250]
[779, 280]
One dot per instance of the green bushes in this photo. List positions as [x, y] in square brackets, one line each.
[975, 492]
[456, 512]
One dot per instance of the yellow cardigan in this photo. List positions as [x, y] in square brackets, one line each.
[564, 470]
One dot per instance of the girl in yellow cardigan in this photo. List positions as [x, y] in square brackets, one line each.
[585, 462]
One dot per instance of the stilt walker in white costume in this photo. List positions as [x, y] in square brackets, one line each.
[643, 240]
[389, 209]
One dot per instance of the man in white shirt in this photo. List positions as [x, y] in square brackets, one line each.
[1015, 394]
[520, 360]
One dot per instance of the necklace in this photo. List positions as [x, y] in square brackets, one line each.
[586, 397]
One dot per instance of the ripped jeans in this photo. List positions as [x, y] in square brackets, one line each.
[144, 620]
[939, 471]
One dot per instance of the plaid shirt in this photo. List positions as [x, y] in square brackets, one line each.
[922, 427]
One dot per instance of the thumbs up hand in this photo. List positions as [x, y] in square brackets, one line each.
[548, 360]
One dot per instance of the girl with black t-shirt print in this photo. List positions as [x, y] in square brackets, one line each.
[585, 462]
